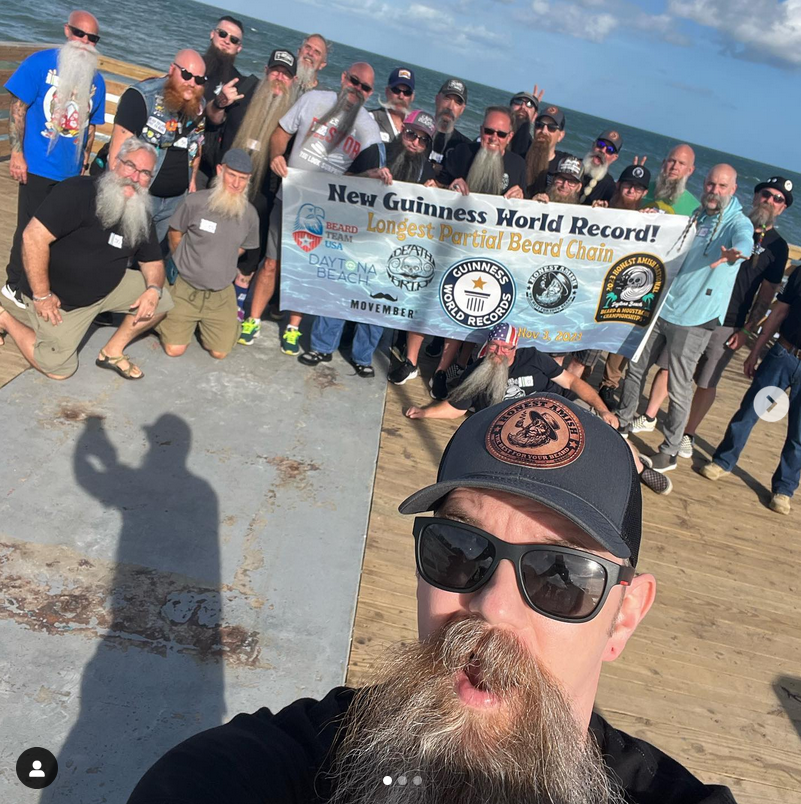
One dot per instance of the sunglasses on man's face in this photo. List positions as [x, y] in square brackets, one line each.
[501, 135]
[93, 38]
[560, 583]
[187, 76]
[529, 104]
[223, 34]
[540, 125]
[777, 198]
[357, 83]
[407, 93]
[603, 145]
[415, 136]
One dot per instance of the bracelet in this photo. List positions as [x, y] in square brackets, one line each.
[217, 103]
[747, 332]
[158, 290]
[42, 298]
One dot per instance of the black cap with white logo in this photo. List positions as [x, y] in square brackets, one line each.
[455, 86]
[784, 186]
[544, 447]
[285, 59]
[570, 166]
[636, 174]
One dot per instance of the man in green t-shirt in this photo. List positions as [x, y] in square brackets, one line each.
[668, 193]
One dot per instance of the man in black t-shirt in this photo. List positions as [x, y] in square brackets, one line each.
[524, 106]
[398, 98]
[77, 250]
[526, 585]
[598, 183]
[542, 158]
[449, 105]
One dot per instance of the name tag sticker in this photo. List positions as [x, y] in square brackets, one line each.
[115, 240]
[208, 226]
[181, 143]
[703, 231]
[157, 125]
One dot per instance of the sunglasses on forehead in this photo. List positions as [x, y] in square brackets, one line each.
[539, 125]
[187, 76]
[357, 83]
[93, 38]
[561, 583]
[524, 102]
[603, 145]
[407, 93]
[223, 34]
[777, 198]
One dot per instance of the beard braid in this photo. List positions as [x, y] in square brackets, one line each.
[225, 203]
[219, 64]
[265, 110]
[489, 381]
[594, 172]
[531, 749]
[113, 208]
[669, 190]
[486, 172]
[403, 164]
[343, 115]
[537, 161]
[177, 104]
[77, 64]
[762, 215]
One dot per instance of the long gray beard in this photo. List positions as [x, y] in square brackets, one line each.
[762, 215]
[343, 115]
[486, 172]
[304, 80]
[669, 190]
[77, 64]
[595, 173]
[114, 208]
[412, 721]
[445, 123]
[263, 114]
[404, 165]
[489, 380]
[397, 106]
[225, 203]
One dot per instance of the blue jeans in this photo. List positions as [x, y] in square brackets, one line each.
[781, 369]
[162, 212]
[326, 333]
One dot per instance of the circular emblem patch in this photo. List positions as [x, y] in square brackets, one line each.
[638, 173]
[410, 267]
[538, 432]
[788, 185]
[477, 293]
[551, 288]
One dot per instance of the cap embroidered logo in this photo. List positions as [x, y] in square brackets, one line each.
[404, 74]
[550, 110]
[537, 432]
[638, 172]
[282, 55]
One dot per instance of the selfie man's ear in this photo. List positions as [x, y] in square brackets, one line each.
[638, 599]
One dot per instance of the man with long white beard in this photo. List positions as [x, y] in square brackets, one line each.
[598, 183]
[449, 105]
[76, 250]
[526, 586]
[166, 112]
[669, 191]
[542, 158]
[208, 234]
[57, 99]
[398, 97]
[695, 306]
[312, 57]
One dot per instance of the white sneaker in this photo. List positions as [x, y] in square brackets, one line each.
[686, 446]
[11, 296]
[642, 424]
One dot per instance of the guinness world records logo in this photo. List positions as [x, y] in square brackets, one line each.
[477, 293]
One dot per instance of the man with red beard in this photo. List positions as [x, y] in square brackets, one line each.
[598, 184]
[166, 112]
[526, 586]
[542, 158]
[630, 189]
[57, 100]
[399, 95]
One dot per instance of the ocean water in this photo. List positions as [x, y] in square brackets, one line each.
[149, 32]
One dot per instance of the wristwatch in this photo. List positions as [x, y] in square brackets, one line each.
[158, 290]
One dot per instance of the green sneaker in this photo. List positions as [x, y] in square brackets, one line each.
[289, 341]
[250, 331]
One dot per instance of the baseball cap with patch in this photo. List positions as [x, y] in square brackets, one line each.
[504, 333]
[454, 86]
[525, 96]
[401, 75]
[283, 58]
[422, 121]
[612, 137]
[636, 174]
[555, 113]
[784, 186]
[570, 166]
[545, 448]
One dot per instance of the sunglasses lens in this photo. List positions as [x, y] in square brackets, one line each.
[453, 557]
[563, 585]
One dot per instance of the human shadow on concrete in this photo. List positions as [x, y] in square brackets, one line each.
[788, 691]
[157, 675]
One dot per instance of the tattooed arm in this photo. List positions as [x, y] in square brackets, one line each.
[16, 134]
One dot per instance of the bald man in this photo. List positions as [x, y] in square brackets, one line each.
[695, 305]
[668, 192]
[57, 100]
[166, 112]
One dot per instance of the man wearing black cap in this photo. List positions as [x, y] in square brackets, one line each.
[399, 94]
[598, 184]
[565, 186]
[449, 105]
[542, 158]
[526, 586]
[524, 106]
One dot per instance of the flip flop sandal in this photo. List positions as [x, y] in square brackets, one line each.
[364, 371]
[112, 363]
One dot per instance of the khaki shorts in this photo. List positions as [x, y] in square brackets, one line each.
[214, 311]
[56, 348]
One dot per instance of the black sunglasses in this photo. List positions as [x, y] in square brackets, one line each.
[407, 93]
[93, 38]
[539, 125]
[186, 75]
[502, 135]
[357, 83]
[414, 136]
[777, 198]
[603, 145]
[225, 35]
[560, 583]
[524, 102]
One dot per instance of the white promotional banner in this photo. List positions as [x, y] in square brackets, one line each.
[427, 260]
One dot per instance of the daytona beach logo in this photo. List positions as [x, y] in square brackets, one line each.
[477, 293]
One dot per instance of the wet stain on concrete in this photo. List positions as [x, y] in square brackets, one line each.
[291, 471]
[324, 377]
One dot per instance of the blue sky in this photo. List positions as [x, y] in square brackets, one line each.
[722, 73]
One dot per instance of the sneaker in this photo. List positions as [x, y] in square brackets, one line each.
[438, 385]
[290, 346]
[625, 431]
[434, 348]
[686, 446]
[250, 331]
[713, 471]
[453, 373]
[607, 395]
[403, 373]
[662, 462]
[313, 357]
[643, 424]
[11, 295]
[657, 482]
[780, 503]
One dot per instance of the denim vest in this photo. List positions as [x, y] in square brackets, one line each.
[163, 128]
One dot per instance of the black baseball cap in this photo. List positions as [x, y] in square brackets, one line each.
[784, 186]
[555, 113]
[285, 59]
[544, 447]
[525, 96]
[636, 174]
[612, 137]
[454, 86]
[570, 165]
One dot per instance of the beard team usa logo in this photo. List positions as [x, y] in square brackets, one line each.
[477, 293]
[309, 227]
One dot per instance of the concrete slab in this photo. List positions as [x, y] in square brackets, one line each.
[174, 551]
